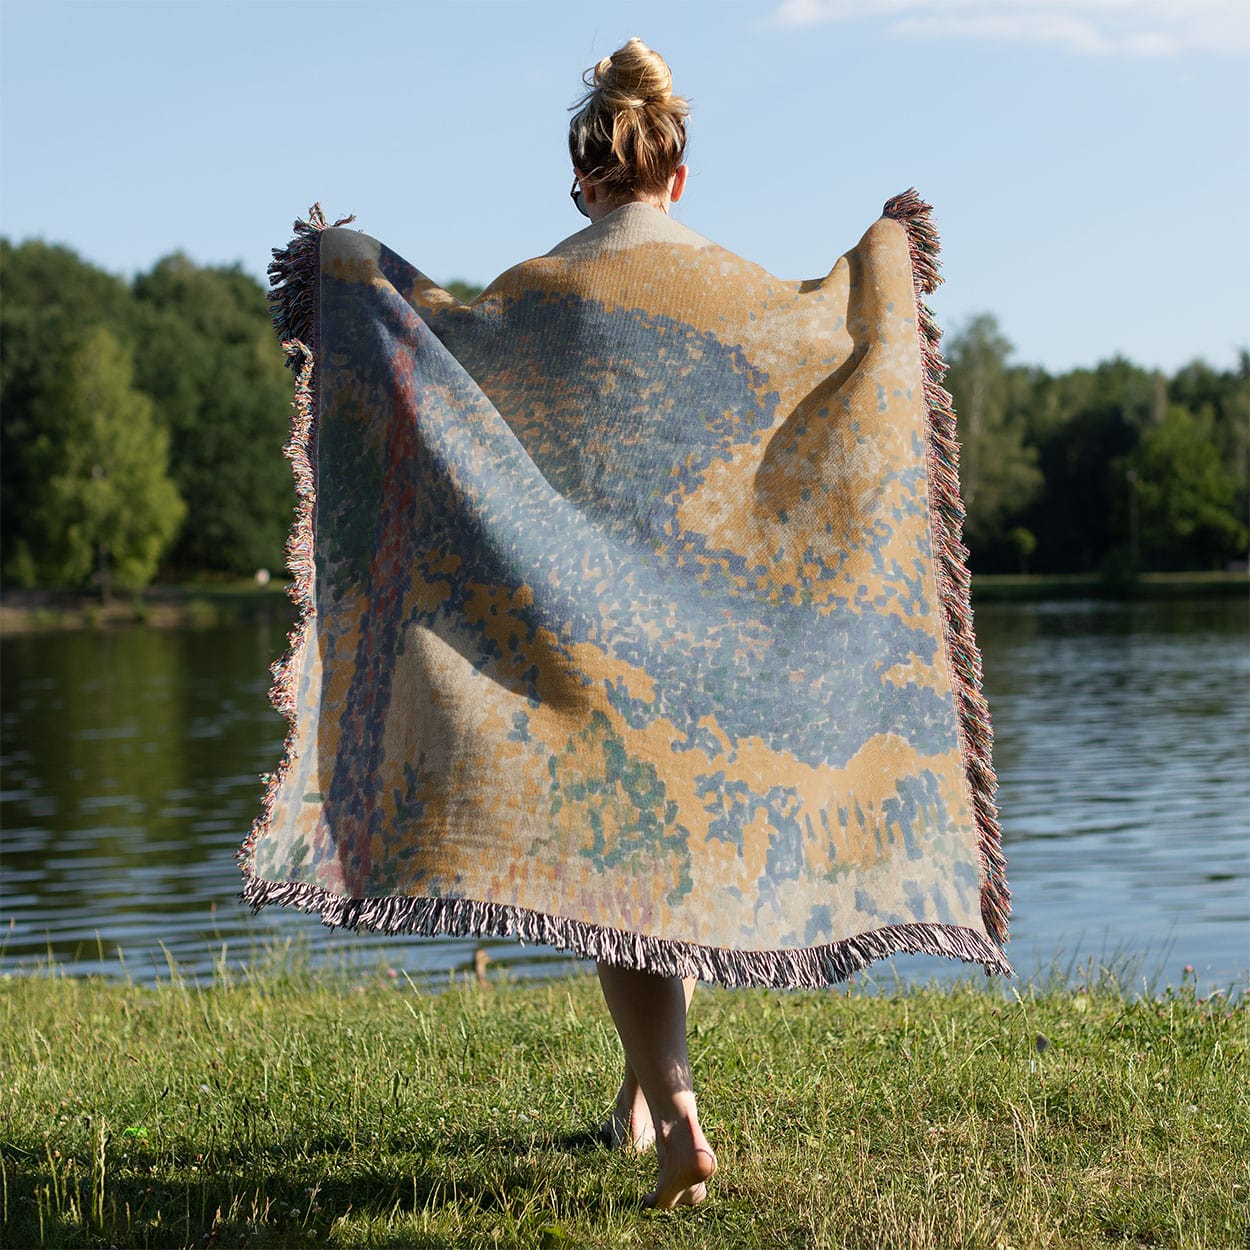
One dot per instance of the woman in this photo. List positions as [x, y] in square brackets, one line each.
[628, 144]
[635, 620]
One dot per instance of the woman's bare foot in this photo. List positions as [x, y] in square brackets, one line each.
[686, 1165]
[629, 1125]
[649, 1012]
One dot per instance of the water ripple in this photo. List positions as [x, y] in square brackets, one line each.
[131, 763]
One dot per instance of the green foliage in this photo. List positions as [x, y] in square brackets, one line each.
[286, 1111]
[1054, 457]
[51, 299]
[998, 468]
[1024, 543]
[204, 356]
[1222, 401]
[465, 292]
[1081, 517]
[1186, 492]
[105, 505]
[209, 359]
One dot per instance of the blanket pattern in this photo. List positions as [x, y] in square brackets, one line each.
[634, 615]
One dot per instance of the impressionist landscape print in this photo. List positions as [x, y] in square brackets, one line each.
[177, 1070]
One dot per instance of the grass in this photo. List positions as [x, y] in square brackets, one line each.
[192, 603]
[212, 602]
[1012, 587]
[286, 1109]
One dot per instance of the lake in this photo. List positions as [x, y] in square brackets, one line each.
[131, 759]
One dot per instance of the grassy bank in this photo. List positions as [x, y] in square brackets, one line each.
[189, 603]
[213, 603]
[287, 1111]
[1001, 587]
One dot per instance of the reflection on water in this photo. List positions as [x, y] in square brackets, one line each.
[131, 758]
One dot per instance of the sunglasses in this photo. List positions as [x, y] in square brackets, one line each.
[576, 196]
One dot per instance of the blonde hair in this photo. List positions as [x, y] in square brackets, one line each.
[629, 131]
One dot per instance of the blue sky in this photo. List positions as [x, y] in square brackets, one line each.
[1089, 160]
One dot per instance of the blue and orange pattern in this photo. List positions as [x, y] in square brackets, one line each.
[625, 625]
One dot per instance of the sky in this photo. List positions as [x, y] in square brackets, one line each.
[1088, 160]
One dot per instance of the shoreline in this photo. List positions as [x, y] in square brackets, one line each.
[173, 606]
[1035, 587]
[204, 604]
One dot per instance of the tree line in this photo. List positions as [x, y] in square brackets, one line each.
[142, 423]
[1113, 470]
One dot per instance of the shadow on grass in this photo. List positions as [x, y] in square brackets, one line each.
[274, 1195]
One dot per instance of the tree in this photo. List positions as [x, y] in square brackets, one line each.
[208, 357]
[1086, 423]
[1024, 543]
[105, 504]
[1223, 400]
[51, 298]
[1185, 495]
[465, 292]
[997, 467]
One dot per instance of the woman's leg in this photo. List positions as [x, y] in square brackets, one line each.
[629, 1124]
[650, 1015]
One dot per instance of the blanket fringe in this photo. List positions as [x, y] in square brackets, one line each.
[294, 275]
[293, 279]
[951, 561]
[808, 968]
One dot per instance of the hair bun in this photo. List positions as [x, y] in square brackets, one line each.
[629, 129]
[634, 76]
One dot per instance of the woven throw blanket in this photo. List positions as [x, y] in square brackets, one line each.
[634, 616]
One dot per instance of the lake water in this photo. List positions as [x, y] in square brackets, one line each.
[130, 762]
